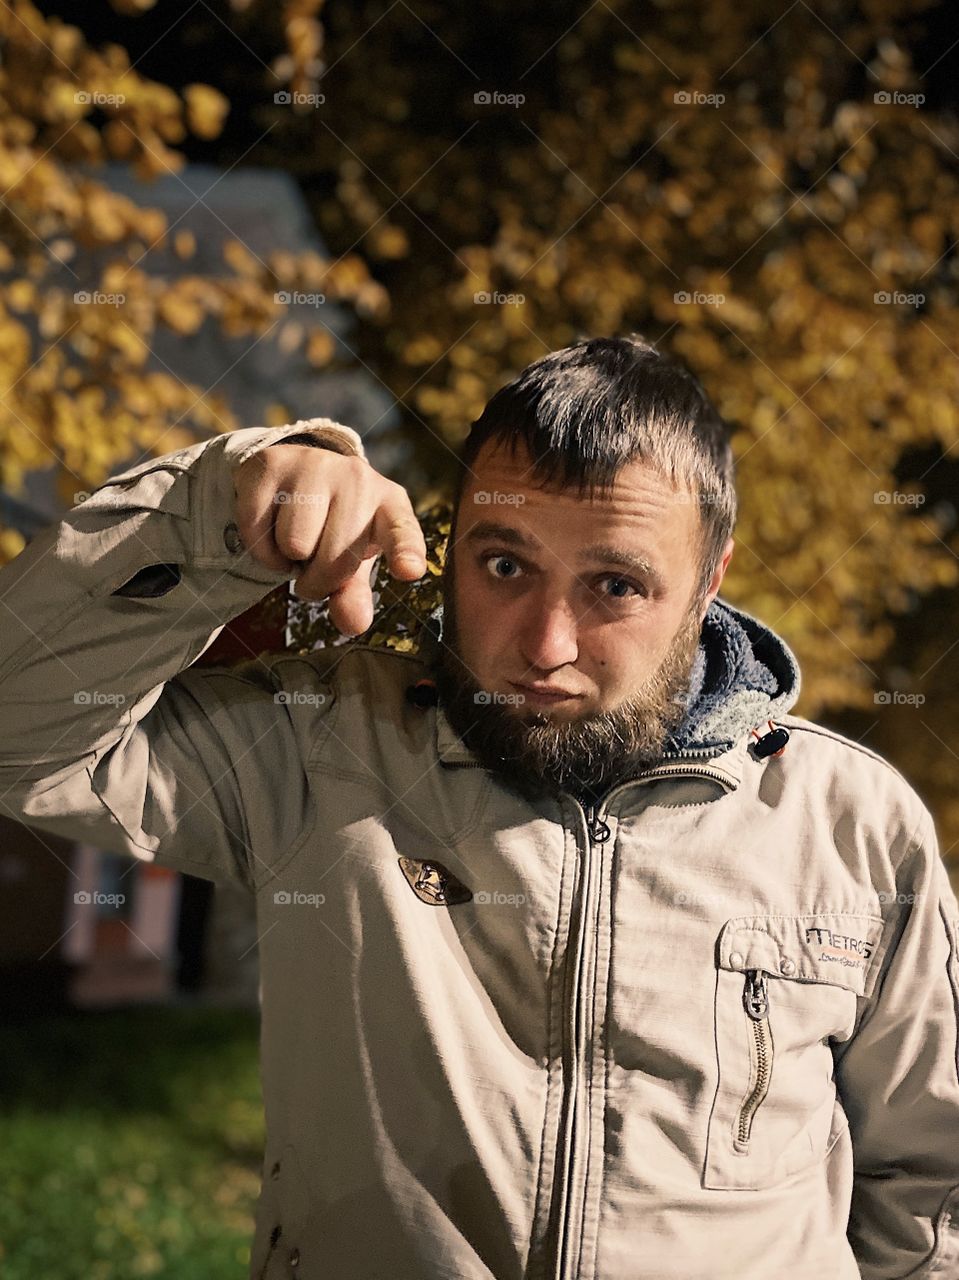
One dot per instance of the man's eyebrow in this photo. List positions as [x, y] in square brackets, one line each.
[601, 553]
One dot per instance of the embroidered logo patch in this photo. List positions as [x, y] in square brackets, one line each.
[433, 883]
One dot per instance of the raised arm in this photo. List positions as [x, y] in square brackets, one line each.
[108, 735]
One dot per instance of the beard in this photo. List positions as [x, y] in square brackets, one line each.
[536, 755]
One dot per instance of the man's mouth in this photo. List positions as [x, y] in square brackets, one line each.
[544, 693]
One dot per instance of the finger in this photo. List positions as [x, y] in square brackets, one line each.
[343, 545]
[318, 577]
[300, 518]
[397, 530]
[256, 513]
[351, 606]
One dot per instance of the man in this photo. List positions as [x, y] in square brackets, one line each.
[581, 956]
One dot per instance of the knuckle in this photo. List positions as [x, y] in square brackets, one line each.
[406, 532]
[297, 546]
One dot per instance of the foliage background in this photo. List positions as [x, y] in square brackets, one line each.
[144, 1160]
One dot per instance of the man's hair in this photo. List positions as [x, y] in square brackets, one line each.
[586, 411]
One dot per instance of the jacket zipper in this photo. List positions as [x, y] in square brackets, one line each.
[598, 832]
[684, 766]
[756, 1004]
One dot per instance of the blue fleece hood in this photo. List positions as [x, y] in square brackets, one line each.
[743, 675]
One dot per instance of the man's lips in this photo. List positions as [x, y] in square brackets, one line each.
[550, 693]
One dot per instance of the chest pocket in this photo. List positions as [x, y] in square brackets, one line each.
[784, 985]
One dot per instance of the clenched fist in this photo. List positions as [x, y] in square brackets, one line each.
[329, 517]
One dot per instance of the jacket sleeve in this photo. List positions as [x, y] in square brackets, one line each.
[108, 737]
[898, 1080]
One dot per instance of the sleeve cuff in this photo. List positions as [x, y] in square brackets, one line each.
[323, 433]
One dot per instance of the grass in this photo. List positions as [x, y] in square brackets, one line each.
[130, 1144]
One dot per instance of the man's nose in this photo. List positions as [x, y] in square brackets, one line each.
[549, 636]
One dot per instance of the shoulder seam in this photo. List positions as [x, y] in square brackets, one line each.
[809, 726]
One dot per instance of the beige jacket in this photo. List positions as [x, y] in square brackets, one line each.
[709, 1031]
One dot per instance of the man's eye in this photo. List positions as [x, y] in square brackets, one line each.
[492, 557]
[625, 582]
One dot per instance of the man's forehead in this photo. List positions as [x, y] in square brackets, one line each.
[644, 525]
[515, 473]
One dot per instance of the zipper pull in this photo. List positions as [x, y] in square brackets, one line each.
[755, 995]
[599, 831]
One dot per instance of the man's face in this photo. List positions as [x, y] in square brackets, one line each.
[542, 600]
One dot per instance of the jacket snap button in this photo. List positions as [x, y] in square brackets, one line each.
[231, 538]
[275, 1171]
[736, 960]
[294, 1257]
[787, 966]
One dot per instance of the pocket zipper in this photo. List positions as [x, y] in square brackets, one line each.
[756, 1004]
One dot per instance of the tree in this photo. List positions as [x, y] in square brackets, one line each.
[74, 351]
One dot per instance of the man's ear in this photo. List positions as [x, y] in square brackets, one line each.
[717, 578]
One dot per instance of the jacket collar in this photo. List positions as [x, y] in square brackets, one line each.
[743, 675]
